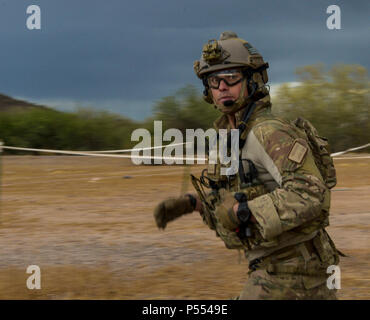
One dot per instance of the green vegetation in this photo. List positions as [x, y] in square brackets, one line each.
[335, 101]
[82, 130]
[185, 110]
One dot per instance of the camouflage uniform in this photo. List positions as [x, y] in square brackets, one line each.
[289, 173]
[288, 248]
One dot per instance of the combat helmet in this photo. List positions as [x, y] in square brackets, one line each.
[232, 52]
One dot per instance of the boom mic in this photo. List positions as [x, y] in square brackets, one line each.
[228, 103]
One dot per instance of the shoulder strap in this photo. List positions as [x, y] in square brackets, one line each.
[244, 131]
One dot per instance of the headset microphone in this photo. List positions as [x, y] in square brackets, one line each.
[228, 103]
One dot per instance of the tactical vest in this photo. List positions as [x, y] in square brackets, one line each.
[248, 183]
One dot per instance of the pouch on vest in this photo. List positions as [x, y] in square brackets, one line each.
[320, 150]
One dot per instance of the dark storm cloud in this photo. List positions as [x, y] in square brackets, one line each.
[134, 52]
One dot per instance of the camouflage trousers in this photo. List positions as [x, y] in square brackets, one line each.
[262, 285]
[298, 272]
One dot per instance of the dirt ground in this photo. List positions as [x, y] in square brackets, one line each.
[88, 224]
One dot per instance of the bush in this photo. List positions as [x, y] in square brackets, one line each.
[335, 101]
[82, 130]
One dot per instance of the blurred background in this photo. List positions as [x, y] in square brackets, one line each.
[101, 70]
[96, 71]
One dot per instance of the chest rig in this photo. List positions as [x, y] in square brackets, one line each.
[211, 184]
[245, 180]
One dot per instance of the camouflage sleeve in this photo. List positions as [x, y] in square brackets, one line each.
[300, 192]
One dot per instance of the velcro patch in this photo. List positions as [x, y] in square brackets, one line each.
[298, 152]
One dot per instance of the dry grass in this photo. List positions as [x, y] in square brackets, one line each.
[88, 224]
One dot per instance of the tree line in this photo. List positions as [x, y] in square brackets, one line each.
[336, 101]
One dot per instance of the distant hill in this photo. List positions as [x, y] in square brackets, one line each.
[10, 104]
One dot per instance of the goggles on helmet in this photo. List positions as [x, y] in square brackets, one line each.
[230, 77]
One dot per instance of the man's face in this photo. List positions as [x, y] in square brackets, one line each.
[225, 85]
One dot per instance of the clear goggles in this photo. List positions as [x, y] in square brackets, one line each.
[230, 77]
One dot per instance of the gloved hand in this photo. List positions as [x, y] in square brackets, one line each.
[172, 209]
[224, 211]
[230, 219]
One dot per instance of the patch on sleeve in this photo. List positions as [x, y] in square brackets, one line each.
[298, 152]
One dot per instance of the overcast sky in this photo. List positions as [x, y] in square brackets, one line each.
[123, 56]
